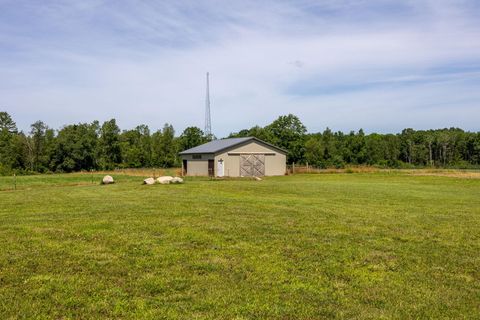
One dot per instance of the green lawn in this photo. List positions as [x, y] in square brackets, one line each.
[365, 246]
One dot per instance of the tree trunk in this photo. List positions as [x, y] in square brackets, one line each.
[444, 154]
[430, 161]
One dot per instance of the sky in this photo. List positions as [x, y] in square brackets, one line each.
[379, 65]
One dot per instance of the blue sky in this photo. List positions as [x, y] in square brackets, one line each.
[378, 65]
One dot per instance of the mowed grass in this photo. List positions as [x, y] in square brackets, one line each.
[363, 246]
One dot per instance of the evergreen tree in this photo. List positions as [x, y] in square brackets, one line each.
[7, 123]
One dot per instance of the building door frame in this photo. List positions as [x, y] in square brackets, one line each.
[220, 168]
[252, 165]
[184, 165]
[211, 167]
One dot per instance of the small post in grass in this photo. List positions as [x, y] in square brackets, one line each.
[91, 174]
[293, 168]
[14, 181]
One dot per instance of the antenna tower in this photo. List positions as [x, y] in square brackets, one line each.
[208, 120]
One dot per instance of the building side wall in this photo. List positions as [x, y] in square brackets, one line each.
[275, 164]
[197, 167]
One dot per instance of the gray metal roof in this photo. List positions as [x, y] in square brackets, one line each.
[219, 145]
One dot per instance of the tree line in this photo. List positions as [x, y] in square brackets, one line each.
[90, 146]
[450, 147]
[95, 146]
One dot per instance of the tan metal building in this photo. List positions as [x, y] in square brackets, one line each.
[235, 157]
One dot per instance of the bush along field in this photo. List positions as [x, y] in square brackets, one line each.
[308, 246]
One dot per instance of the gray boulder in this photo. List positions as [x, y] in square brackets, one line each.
[107, 180]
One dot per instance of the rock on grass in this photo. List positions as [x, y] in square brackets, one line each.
[164, 179]
[149, 181]
[108, 180]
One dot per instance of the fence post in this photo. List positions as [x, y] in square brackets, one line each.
[14, 181]
[293, 168]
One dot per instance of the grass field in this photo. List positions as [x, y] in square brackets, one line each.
[361, 245]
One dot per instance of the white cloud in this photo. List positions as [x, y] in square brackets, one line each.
[146, 63]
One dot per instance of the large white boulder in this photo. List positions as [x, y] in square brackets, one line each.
[164, 179]
[177, 180]
[149, 181]
[107, 180]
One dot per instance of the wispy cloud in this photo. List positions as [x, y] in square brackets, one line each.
[381, 65]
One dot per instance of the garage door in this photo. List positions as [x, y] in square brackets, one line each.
[252, 165]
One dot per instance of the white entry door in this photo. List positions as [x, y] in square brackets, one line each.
[220, 170]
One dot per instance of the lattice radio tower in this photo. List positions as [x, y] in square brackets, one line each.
[208, 120]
